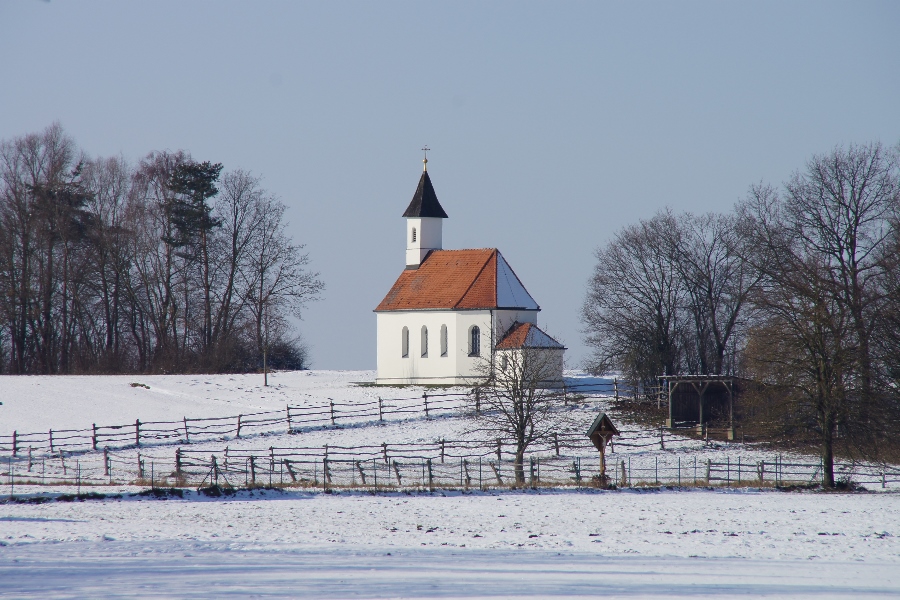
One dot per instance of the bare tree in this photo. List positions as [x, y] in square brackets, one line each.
[817, 253]
[277, 282]
[519, 398]
[109, 267]
[632, 315]
[839, 209]
[717, 279]
[37, 183]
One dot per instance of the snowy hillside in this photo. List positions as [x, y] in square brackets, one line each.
[118, 429]
[457, 541]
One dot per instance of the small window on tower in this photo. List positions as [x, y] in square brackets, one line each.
[414, 235]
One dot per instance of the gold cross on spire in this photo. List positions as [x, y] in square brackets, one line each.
[425, 149]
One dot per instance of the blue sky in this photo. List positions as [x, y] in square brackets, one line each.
[552, 125]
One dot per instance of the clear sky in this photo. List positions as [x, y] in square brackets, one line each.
[552, 125]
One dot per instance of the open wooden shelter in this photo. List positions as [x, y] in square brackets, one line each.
[695, 400]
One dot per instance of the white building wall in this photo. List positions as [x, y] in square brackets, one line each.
[551, 362]
[455, 368]
[429, 236]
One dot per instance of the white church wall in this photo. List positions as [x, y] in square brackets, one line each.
[549, 361]
[456, 367]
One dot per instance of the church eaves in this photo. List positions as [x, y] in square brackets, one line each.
[425, 202]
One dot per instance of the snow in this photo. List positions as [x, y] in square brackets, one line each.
[567, 542]
[38, 403]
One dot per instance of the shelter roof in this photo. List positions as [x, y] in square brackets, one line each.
[459, 280]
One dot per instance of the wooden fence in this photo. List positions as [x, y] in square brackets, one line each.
[291, 419]
[448, 464]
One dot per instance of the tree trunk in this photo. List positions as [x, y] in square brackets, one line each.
[828, 451]
[520, 464]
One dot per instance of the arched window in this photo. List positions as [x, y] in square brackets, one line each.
[404, 342]
[424, 341]
[413, 235]
[475, 341]
[443, 340]
[504, 362]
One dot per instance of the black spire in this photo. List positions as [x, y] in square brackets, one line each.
[425, 202]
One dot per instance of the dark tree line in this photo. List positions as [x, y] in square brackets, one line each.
[798, 288]
[168, 265]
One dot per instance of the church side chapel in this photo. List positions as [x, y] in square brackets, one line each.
[451, 313]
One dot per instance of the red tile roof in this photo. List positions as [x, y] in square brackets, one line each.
[522, 335]
[447, 279]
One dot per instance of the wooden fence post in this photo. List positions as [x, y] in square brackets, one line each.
[362, 472]
[287, 409]
[616, 388]
[499, 448]
[178, 462]
[94, 437]
[15, 436]
[397, 472]
[623, 480]
[477, 401]
[384, 452]
[140, 466]
[662, 444]
[105, 461]
[137, 432]
[290, 470]
[331, 402]
[29, 459]
[187, 435]
[430, 476]
[238, 435]
[51, 441]
[708, 470]
[425, 398]
[556, 442]
[252, 470]
[496, 470]
[442, 449]
[380, 410]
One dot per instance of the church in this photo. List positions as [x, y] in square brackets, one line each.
[451, 313]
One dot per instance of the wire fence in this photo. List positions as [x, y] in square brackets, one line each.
[374, 469]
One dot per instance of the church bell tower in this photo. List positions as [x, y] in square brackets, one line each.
[424, 221]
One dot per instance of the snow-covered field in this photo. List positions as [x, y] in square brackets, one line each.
[38, 403]
[549, 543]
[512, 544]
